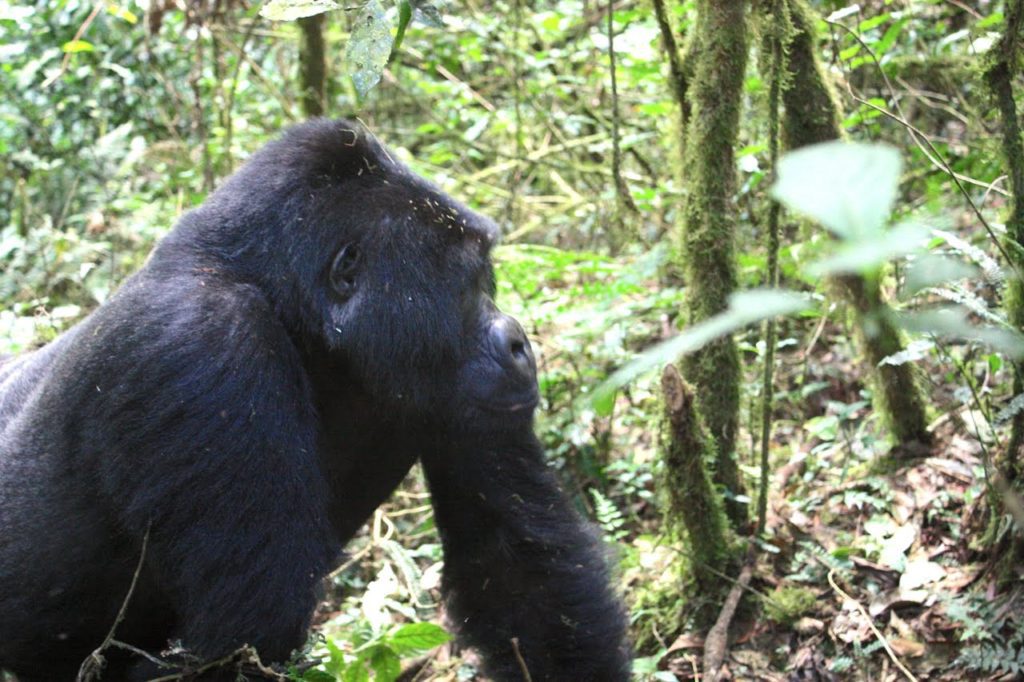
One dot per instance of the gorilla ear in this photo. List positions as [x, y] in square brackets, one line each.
[344, 270]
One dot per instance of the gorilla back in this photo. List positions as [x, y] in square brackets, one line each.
[242, 404]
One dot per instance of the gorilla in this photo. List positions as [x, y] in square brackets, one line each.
[223, 425]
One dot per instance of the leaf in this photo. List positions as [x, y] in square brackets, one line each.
[122, 13]
[427, 14]
[953, 322]
[916, 350]
[847, 187]
[78, 46]
[920, 572]
[288, 10]
[417, 637]
[1011, 410]
[745, 308]
[866, 255]
[369, 46]
[930, 270]
[385, 664]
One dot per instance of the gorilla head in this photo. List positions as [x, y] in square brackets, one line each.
[368, 262]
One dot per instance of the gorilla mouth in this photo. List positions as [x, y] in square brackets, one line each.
[527, 402]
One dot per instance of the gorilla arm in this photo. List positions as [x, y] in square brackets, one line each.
[211, 443]
[524, 576]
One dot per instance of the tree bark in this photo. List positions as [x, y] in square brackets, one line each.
[708, 249]
[312, 66]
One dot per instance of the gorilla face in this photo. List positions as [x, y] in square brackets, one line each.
[400, 288]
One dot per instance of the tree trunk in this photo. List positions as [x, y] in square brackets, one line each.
[811, 117]
[693, 504]
[709, 166]
[312, 66]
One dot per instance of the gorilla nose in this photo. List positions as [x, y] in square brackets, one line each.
[511, 347]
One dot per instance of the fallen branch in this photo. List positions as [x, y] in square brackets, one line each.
[716, 645]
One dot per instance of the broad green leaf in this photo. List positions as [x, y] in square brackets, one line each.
[369, 46]
[417, 637]
[289, 10]
[745, 308]
[78, 46]
[385, 664]
[356, 671]
[866, 255]
[847, 187]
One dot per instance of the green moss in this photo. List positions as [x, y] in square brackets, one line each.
[694, 508]
[709, 214]
[788, 604]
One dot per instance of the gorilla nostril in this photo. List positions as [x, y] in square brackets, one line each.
[518, 349]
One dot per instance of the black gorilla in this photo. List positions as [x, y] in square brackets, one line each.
[250, 396]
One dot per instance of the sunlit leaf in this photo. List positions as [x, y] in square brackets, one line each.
[417, 637]
[745, 308]
[122, 13]
[369, 46]
[288, 10]
[78, 46]
[847, 187]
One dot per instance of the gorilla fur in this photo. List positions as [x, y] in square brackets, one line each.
[247, 399]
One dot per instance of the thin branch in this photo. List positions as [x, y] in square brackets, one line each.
[871, 624]
[93, 665]
[78, 36]
[924, 143]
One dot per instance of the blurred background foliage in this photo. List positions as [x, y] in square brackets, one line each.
[116, 117]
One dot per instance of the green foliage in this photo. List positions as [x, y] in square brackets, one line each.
[787, 604]
[745, 308]
[289, 10]
[380, 655]
[992, 633]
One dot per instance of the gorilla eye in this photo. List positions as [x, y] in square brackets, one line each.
[343, 270]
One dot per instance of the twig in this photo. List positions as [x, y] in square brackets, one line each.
[717, 641]
[78, 36]
[871, 624]
[519, 658]
[924, 143]
[622, 193]
[94, 662]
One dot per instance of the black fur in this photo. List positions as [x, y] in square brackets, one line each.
[251, 415]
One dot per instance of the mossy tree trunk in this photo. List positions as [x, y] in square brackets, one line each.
[812, 116]
[1002, 68]
[709, 214]
[312, 66]
[693, 505]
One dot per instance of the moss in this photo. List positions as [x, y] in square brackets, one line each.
[694, 508]
[811, 117]
[1002, 67]
[709, 215]
[788, 604]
